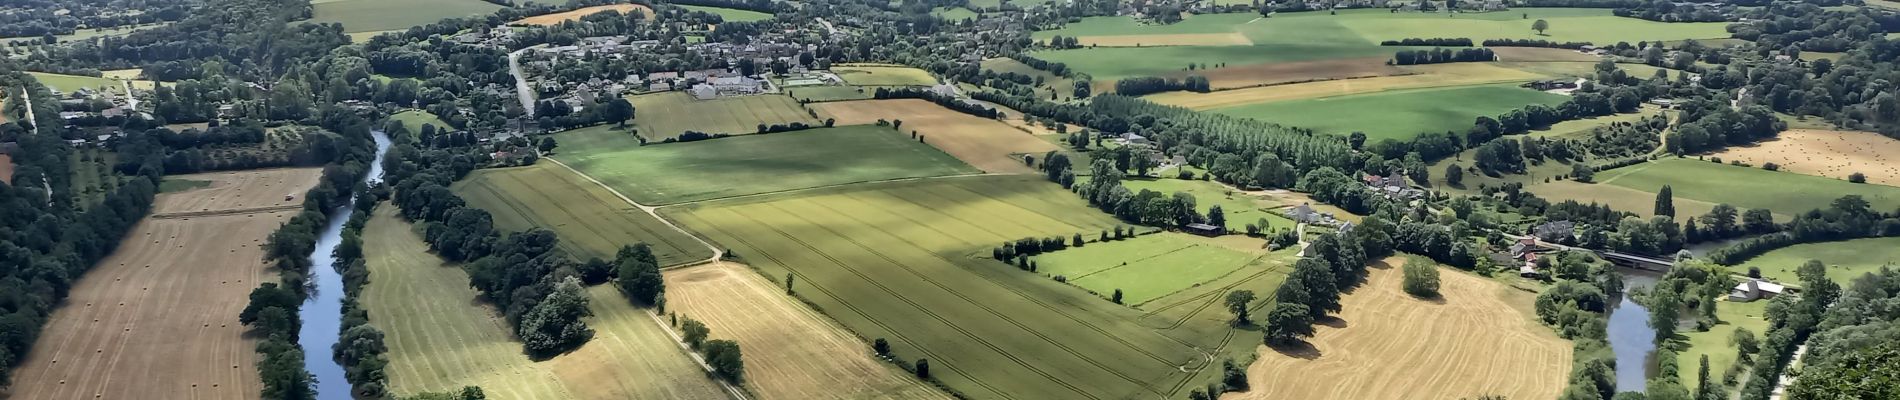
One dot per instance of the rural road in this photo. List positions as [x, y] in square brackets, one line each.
[521, 82]
[26, 101]
[130, 99]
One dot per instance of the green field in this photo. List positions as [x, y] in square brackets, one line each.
[664, 115]
[71, 83]
[878, 75]
[731, 14]
[752, 164]
[1241, 209]
[384, 15]
[414, 119]
[1716, 343]
[1786, 193]
[907, 262]
[1845, 260]
[1146, 267]
[592, 222]
[442, 337]
[828, 93]
[954, 14]
[1398, 114]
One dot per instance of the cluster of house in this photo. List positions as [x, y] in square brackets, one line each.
[81, 104]
[702, 84]
[1305, 214]
[1393, 186]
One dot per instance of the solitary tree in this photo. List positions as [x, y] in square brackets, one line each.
[1237, 302]
[923, 368]
[1421, 279]
[1117, 297]
[788, 282]
[1540, 26]
[1666, 202]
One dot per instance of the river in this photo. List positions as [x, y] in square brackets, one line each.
[323, 313]
[1631, 338]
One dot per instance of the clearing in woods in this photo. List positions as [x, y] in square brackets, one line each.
[576, 14]
[6, 169]
[1786, 193]
[1145, 267]
[1478, 338]
[989, 145]
[907, 261]
[708, 169]
[667, 115]
[592, 222]
[157, 318]
[442, 335]
[1831, 154]
[1414, 77]
[791, 352]
[72, 83]
[1398, 115]
[386, 15]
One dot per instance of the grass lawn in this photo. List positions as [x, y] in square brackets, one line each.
[906, 261]
[592, 222]
[752, 164]
[732, 14]
[1399, 114]
[414, 119]
[664, 115]
[877, 75]
[1240, 208]
[828, 93]
[1716, 343]
[1845, 260]
[1144, 268]
[71, 83]
[384, 15]
[1786, 193]
[954, 13]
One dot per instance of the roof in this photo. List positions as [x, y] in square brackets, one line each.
[1202, 227]
[1765, 286]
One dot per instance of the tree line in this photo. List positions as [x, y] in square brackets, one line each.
[1848, 217]
[1138, 86]
[1442, 55]
[1444, 42]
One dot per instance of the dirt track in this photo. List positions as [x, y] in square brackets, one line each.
[1477, 340]
[989, 145]
[158, 318]
[240, 190]
[1832, 154]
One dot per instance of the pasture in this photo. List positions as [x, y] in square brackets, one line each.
[664, 115]
[156, 319]
[592, 222]
[72, 83]
[1786, 193]
[1397, 115]
[1410, 77]
[413, 120]
[904, 261]
[1478, 338]
[386, 15]
[1241, 208]
[883, 75]
[1641, 202]
[744, 165]
[1845, 260]
[791, 352]
[1829, 154]
[442, 336]
[576, 14]
[1146, 267]
[1716, 342]
[731, 14]
[988, 145]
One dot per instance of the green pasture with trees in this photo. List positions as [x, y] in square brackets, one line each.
[1786, 193]
[385, 15]
[1145, 267]
[591, 221]
[1237, 209]
[730, 14]
[1845, 260]
[1399, 114]
[680, 172]
[413, 120]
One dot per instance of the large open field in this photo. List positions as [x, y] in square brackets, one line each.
[1240, 208]
[664, 115]
[1620, 198]
[1397, 114]
[241, 191]
[1146, 267]
[576, 14]
[592, 222]
[71, 83]
[1845, 260]
[731, 14]
[753, 164]
[1831, 154]
[791, 352]
[384, 15]
[442, 336]
[1479, 338]
[157, 318]
[1746, 187]
[903, 261]
[881, 75]
[989, 145]
[1415, 77]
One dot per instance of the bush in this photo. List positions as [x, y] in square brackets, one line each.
[1857, 178]
[1421, 278]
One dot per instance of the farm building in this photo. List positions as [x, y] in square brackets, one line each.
[1204, 229]
[1756, 289]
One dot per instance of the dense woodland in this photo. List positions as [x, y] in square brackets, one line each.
[36, 18]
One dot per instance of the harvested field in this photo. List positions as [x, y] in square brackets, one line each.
[1416, 76]
[592, 222]
[242, 190]
[883, 75]
[1178, 39]
[1831, 154]
[989, 145]
[1541, 54]
[791, 352]
[1399, 114]
[157, 318]
[557, 18]
[666, 115]
[442, 336]
[1477, 339]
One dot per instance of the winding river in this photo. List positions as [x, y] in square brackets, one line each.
[323, 313]
[1631, 338]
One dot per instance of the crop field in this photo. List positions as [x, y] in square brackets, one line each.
[905, 261]
[879, 75]
[1716, 342]
[1566, 25]
[1413, 77]
[731, 14]
[592, 222]
[988, 145]
[1146, 267]
[1240, 208]
[1830, 154]
[576, 14]
[1541, 54]
[664, 115]
[791, 352]
[155, 320]
[1641, 202]
[1397, 115]
[1289, 72]
[413, 120]
[1579, 69]
[680, 172]
[385, 15]
[828, 93]
[1108, 63]
[1479, 338]
[1745, 187]
[242, 190]
[1845, 260]
[441, 336]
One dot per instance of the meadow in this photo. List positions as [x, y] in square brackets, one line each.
[903, 261]
[1639, 201]
[72, 83]
[828, 93]
[1845, 260]
[592, 222]
[882, 75]
[1239, 208]
[731, 14]
[1397, 115]
[1716, 342]
[413, 120]
[954, 13]
[664, 115]
[385, 15]
[442, 336]
[1406, 77]
[1144, 268]
[988, 145]
[752, 164]
[1745, 187]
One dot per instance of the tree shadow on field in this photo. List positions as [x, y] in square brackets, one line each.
[1435, 298]
[1332, 321]
[1301, 350]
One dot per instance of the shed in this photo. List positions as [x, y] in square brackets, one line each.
[1756, 289]
[1204, 229]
